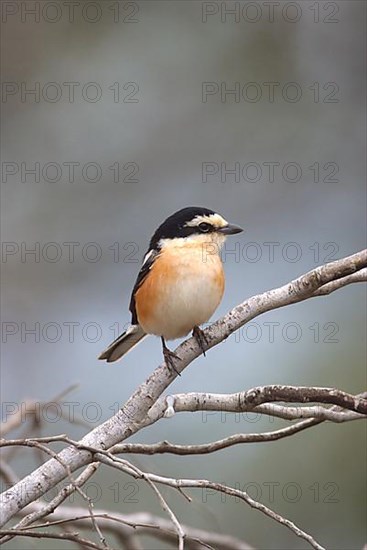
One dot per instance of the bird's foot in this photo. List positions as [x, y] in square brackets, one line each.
[170, 357]
[200, 338]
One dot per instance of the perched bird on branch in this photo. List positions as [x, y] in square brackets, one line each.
[180, 283]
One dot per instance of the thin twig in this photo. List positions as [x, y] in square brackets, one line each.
[74, 537]
[123, 465]
[143, 524]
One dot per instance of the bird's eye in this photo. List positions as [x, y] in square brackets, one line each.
[204, 227]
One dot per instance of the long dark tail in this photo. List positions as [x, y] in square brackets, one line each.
[123, 344]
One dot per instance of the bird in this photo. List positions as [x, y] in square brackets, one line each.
[180, 283]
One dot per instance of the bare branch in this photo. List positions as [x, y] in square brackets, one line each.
[110, 460]
[358, 277]
[74, 537]
[254, 400]
[132, 417]
[206, 448]
[235, 403]
[125, 527]
[300, 394]
[129, 525]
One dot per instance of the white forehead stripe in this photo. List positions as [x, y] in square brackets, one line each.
[214, 219]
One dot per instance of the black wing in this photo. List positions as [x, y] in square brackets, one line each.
[150, 257]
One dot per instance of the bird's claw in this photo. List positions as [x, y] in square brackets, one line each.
[200, 338]
[170, 357]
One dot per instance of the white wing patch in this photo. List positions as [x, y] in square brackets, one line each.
[148, 256]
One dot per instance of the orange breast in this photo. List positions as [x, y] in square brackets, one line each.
[182, 290]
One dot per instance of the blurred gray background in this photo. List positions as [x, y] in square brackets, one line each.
[141, 87]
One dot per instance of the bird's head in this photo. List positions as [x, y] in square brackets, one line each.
[193, 225]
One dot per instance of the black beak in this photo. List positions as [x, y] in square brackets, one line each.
[230, 229]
